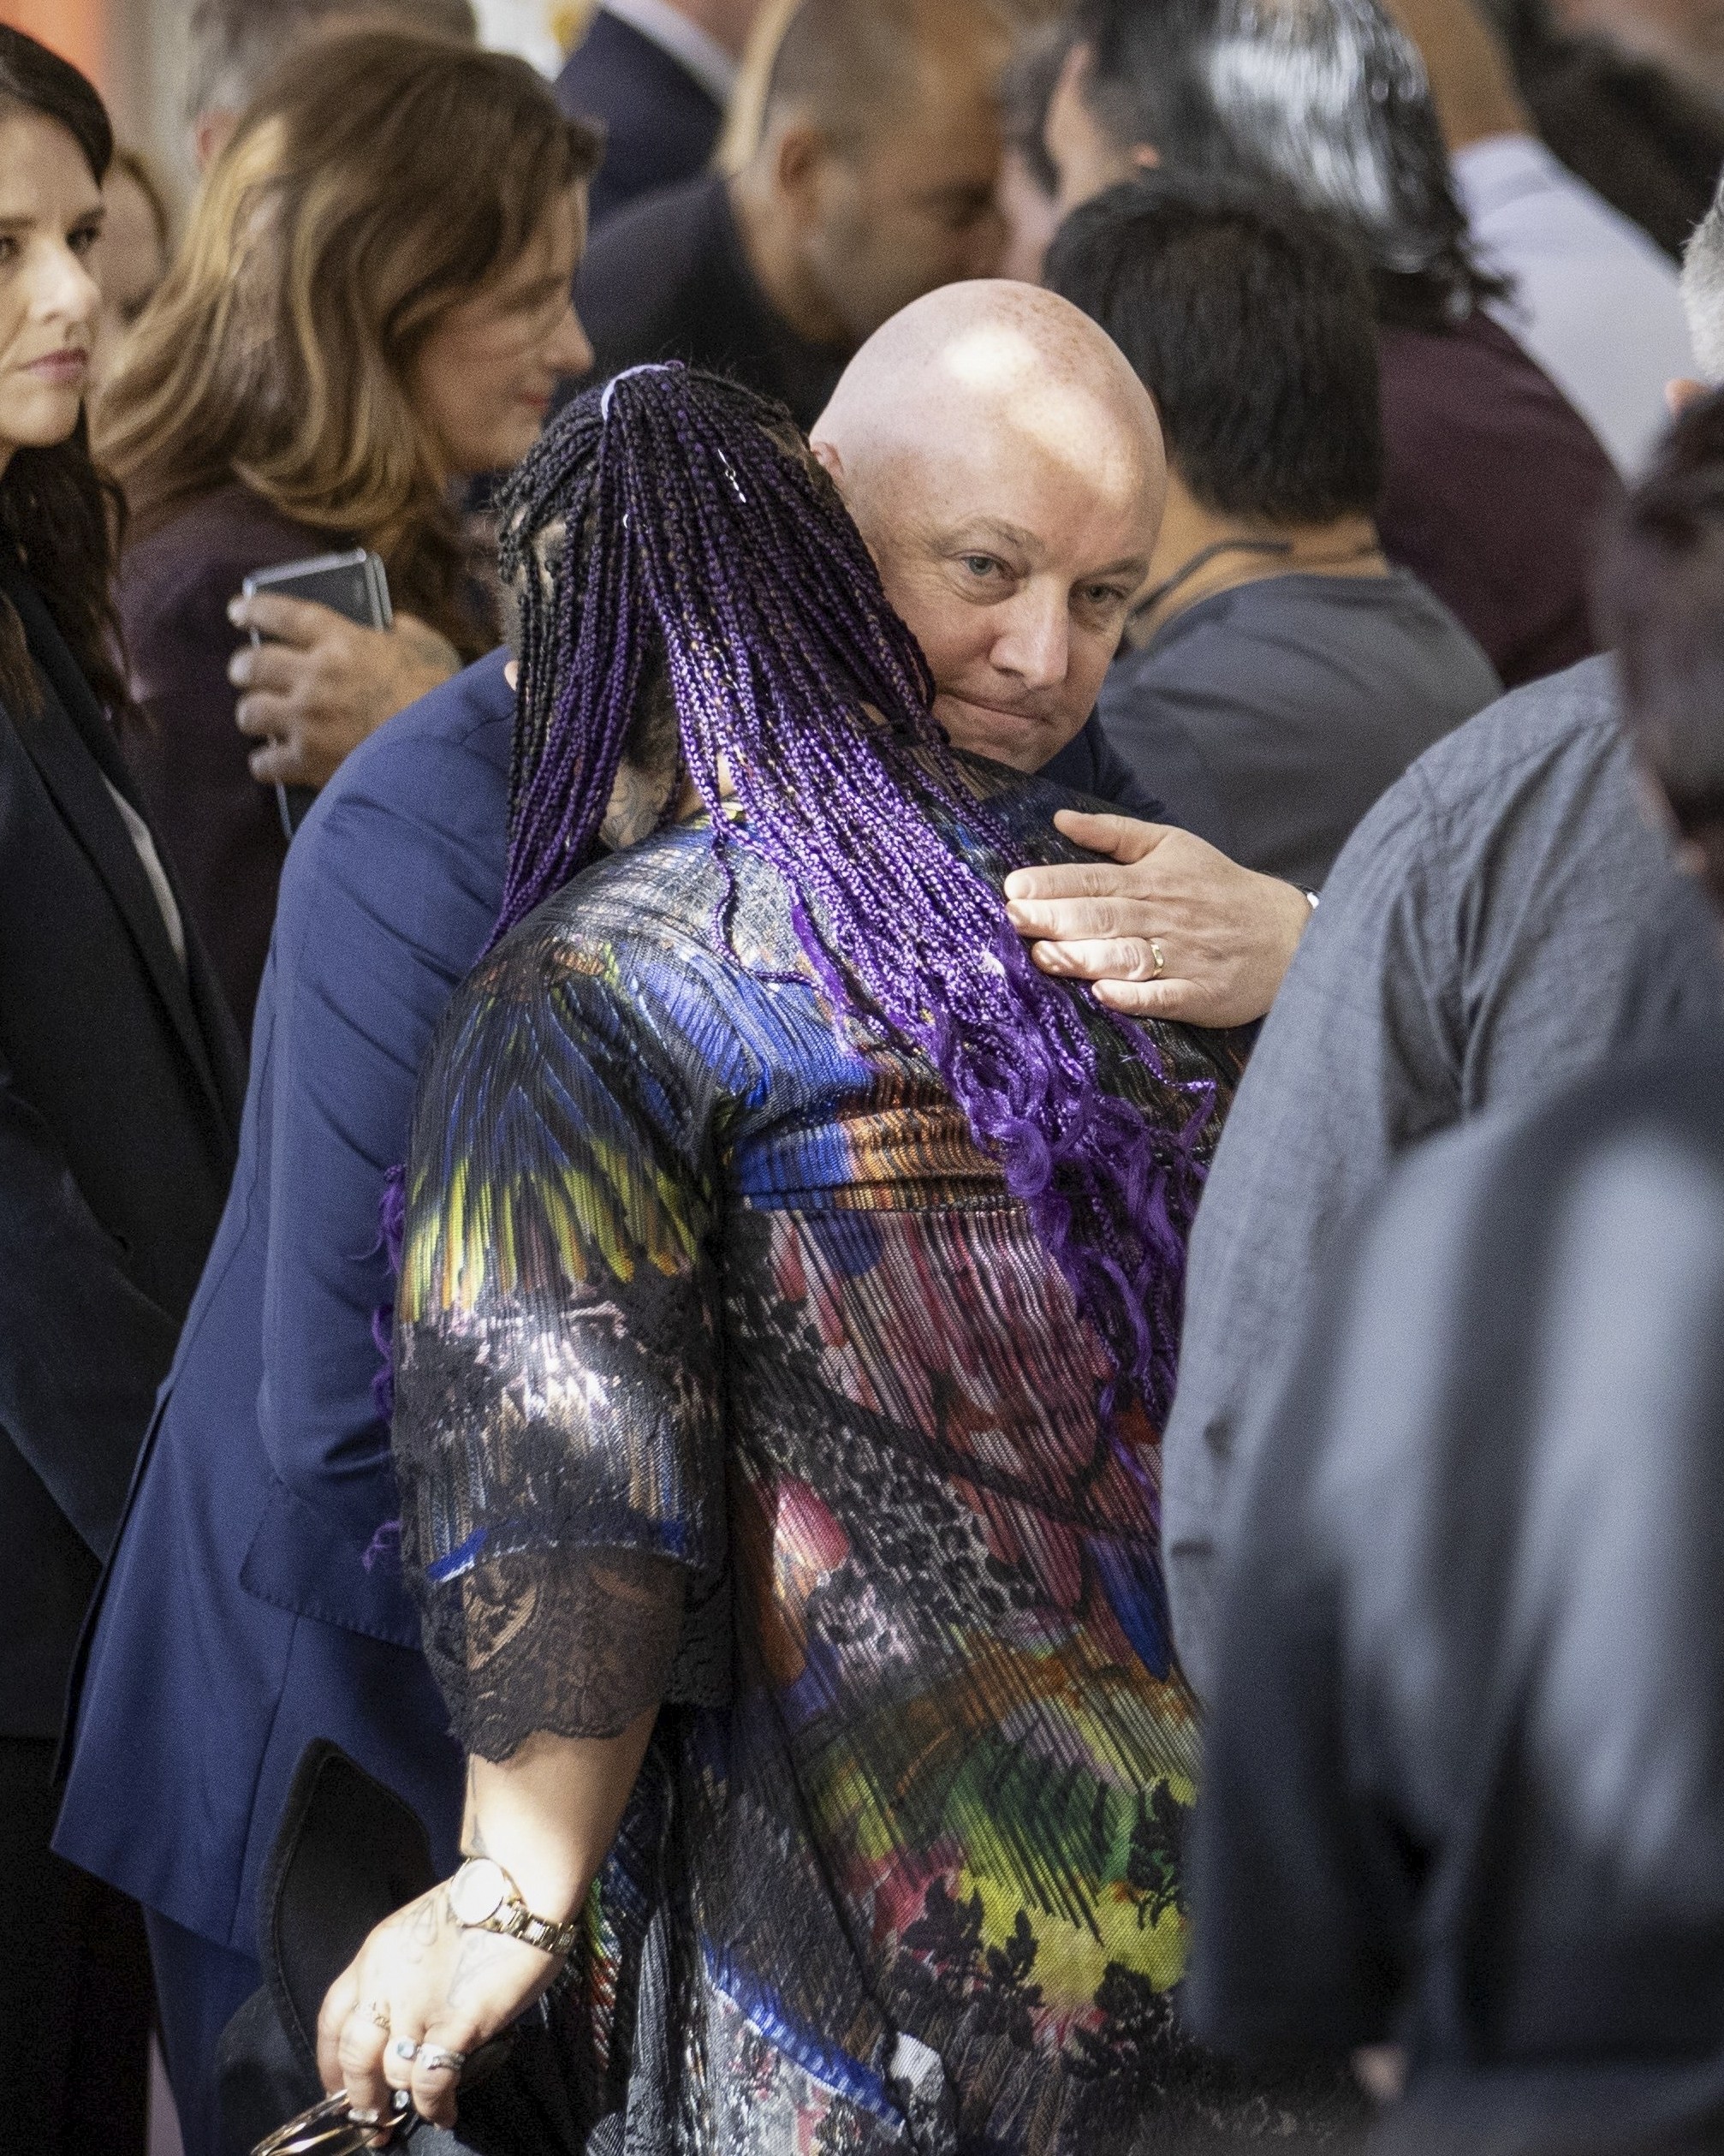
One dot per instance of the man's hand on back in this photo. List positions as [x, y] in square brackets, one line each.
[320, 683]
[1226, 934]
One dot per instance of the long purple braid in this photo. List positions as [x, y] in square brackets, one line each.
[691, 530]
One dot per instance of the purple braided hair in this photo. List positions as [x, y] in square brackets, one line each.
[696, 540]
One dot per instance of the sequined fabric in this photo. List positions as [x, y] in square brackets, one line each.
[729, 1373]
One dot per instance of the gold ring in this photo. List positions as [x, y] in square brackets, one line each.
[1160, 958]
[378, 2014]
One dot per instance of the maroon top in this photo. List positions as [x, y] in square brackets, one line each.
[221, 828]
[1495, 487]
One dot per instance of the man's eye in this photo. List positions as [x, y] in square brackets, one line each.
[1105, 596]
[982, 564]
[8, 246]
[84, 239]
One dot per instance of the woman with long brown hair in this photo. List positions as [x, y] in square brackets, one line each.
[369, 309]
[119, 1107]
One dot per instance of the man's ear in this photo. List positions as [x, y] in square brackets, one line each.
[826, 455]
[1681, 393]
[211, 132]
[798, 159]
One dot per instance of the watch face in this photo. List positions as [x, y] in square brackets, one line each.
[477, 1891]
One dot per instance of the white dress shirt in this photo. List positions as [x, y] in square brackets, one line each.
[693, 48]
[1596, 303]
[138, 831]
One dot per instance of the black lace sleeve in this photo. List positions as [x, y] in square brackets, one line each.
[557, 1430]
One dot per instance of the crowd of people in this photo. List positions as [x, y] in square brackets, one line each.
[862, 1084]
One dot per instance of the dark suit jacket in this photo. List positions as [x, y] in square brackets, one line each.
[119, 1102]
[660, 125]
[255, 1601]
[223, 829]
[700, 302]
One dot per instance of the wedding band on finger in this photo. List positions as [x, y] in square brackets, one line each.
[434, 2059]
[1160, 958]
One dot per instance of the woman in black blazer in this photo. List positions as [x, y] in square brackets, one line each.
[119, 1102]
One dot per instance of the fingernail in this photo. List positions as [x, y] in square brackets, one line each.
[236, 610]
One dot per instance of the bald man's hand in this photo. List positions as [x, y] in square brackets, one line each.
[1226, 934]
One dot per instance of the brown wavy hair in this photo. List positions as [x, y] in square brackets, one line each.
[59, 519]
[381, 178]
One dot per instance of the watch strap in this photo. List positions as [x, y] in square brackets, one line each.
[517, 1921]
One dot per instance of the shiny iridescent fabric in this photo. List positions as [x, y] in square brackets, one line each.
[729, 1373]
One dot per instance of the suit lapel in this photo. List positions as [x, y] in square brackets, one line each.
[74, 758]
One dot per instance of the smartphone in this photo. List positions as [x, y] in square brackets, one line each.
[355, 585]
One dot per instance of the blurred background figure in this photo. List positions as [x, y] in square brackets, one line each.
[1465, 1770]
[1683, 38]
[119, 1106]
[234, 44]
[873, 182]
[1505, 917]
[1029, 179]
[371, 308]
[1283, 674]
[1572, 263]
[131, 259]
[656, 75]
[1650, 145]
[1493, 483]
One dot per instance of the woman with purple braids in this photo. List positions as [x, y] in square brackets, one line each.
[789, 1305]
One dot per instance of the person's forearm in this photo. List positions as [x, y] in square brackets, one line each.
[550, 1814]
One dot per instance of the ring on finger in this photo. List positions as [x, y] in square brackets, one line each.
[405, 2049]
[1160, 958]
[377, 2014]
[434, 2059]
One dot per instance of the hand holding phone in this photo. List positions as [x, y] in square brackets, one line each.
[326, 666]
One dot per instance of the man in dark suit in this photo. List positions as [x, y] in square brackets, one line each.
[873, 183]
[657, 76]
[120, 1092]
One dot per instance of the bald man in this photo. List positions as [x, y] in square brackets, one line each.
[873, 182]
[1004, 463]
[1013, 501]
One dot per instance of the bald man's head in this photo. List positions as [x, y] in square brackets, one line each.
[1005, 466]
[875, 176]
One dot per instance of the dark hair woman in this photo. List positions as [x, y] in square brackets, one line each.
[119, 1076]
[789, 1293]
[371, 308]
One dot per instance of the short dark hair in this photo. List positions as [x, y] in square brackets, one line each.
[1249, 321]
[232, 45]
[1659, 600]
[1325, 97]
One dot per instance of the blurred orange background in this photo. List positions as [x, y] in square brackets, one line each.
[75, 28]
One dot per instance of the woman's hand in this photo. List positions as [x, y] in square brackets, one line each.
[421, 1981]
[424, 1983]
[319, 683]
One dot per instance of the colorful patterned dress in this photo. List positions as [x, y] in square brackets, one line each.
[728, 1373]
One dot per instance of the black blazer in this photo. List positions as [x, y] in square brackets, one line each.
[661, 126]
[120, 1083]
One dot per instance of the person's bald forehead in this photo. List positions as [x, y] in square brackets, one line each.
[991, 358]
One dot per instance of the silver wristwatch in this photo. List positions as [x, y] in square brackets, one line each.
[485, 1898]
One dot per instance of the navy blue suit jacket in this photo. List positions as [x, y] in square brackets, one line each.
[240, 1618]
[661, 126]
